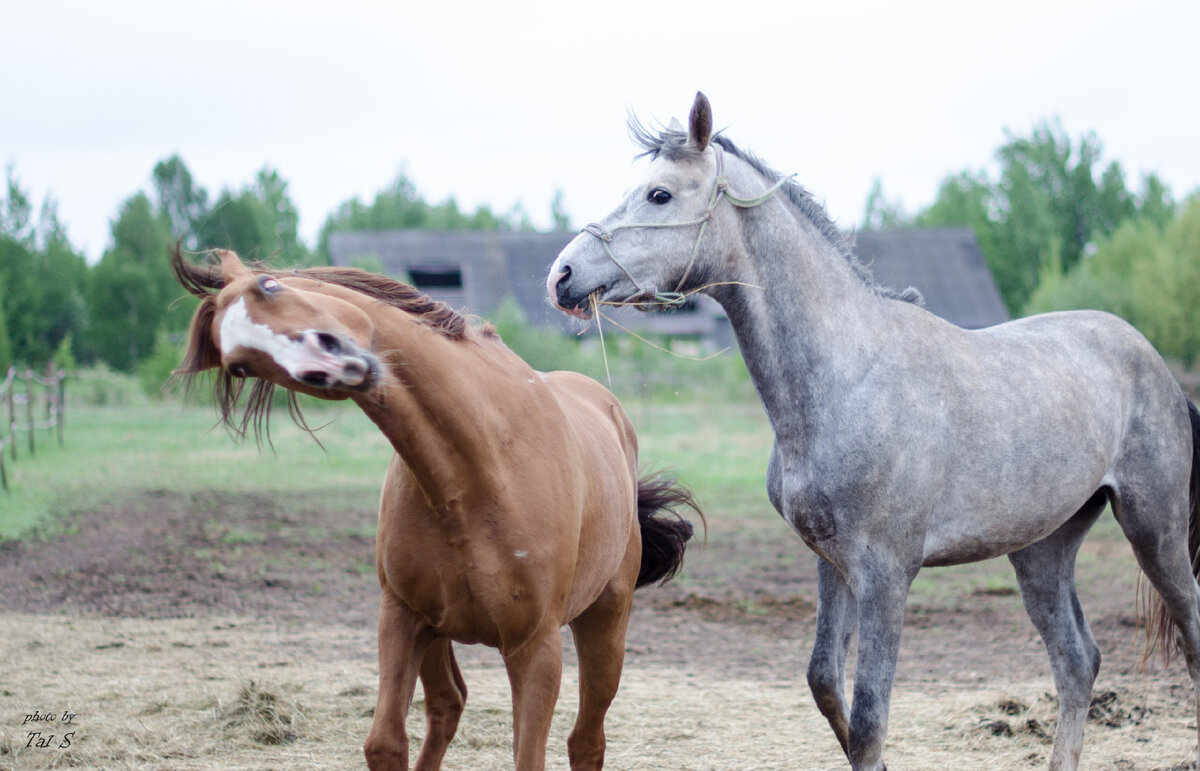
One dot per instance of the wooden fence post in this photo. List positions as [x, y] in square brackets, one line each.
[29, 407]
[12, 413]
[60, 403]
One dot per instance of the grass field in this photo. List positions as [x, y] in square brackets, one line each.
[114, 450]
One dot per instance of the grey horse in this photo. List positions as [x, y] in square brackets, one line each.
[902, 440]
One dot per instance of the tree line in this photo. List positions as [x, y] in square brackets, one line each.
[127, 306]
[1058, 227]
[1062, 230]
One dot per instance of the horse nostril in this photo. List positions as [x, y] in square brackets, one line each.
[329, 343]
[562, 289]
[314, 378]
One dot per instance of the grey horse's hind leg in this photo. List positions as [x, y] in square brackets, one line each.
[836, 621]
[1160, 545]
[1046, 573]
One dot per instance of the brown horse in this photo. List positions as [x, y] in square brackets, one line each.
[512, 505]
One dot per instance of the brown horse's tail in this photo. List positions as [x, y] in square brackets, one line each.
[1160, 627]
[664, 532]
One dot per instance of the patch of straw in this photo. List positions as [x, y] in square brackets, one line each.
[263, 714]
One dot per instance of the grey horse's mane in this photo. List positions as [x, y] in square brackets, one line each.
[672, 144]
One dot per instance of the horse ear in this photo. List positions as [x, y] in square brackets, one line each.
[675, 126]
[700, 122]
[231, 265]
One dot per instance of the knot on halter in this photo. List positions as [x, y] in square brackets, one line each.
[598, 230]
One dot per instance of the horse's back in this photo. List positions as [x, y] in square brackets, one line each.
[1101, 360]
[589, 407]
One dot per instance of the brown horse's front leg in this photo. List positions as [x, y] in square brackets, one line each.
[534, 674]
[403, 638]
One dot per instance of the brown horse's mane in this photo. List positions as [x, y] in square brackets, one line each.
[205, 280]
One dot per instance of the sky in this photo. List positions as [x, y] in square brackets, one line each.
[507, 103]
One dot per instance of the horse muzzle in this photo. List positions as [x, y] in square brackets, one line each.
[331, 361]
[565, 297]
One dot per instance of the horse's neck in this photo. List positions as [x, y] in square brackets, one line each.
[804, 323]
[437, 405]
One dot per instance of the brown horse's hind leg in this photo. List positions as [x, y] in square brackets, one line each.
[445, 697]
[534, 674]
[1046, 574]
[403, 638]
[600, 644]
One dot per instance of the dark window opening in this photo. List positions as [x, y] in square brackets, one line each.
[438, 277]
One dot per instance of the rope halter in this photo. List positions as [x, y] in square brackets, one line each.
[720, 190]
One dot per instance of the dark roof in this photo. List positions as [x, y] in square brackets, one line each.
[494, 264]
[944, 263]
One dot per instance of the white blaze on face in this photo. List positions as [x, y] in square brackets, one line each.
[238, 330]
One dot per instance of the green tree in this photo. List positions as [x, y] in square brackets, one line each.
[6, 352]
[131, 289]
[399, 206]
[22, 302]
[42, 275]
[258, 222]
[180, 200]
[16, 214]
[1144, 273]
[1168, 289]
[1106, 279]
[559, 219]
[1155, 204]
[1050, 201]
[881, 214]
[61, 283]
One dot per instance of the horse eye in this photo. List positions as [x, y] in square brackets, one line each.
[268, 284]
[658, 196]
[239, 370]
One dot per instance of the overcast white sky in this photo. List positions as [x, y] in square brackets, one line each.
[501, 103]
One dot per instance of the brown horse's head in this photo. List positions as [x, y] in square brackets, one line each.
[307, 330]
[289, 330]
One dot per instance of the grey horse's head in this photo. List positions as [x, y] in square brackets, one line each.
[650, 244]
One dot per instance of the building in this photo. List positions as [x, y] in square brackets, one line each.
[944, 263]
[476, 270]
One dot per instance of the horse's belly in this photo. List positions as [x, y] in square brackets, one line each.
[980, 527]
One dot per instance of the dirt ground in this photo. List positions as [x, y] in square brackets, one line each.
[216, 631]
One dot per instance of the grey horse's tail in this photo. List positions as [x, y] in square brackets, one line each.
[1160, 628]
[664, 533]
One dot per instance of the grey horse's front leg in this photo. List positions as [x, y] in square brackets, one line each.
[880, 592]
[837, 619]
